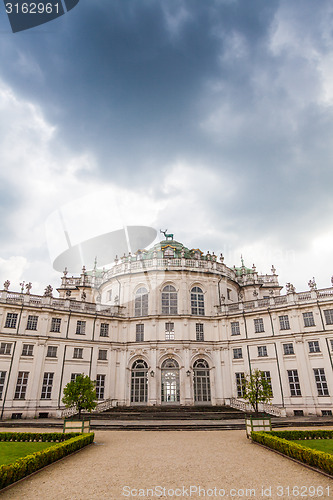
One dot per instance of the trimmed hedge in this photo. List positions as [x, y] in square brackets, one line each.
[31, 463]
[311, 434]
[315, 458]
[49, 437]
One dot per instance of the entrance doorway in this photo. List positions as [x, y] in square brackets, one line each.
[170, 382]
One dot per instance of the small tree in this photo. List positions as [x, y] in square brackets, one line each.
[80, 394]
[257, 390]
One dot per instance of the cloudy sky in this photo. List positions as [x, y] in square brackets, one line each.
[215, 118]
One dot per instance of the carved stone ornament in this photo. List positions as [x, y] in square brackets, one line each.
[68, 293]
[290, 288]
[6, 285]
[28, 287]
[312, 284]
[48, 291]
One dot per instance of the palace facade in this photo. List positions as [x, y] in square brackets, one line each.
[166, 326]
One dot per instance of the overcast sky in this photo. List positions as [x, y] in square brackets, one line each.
[214, 117]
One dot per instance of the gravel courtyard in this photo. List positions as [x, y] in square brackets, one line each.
[125, 464]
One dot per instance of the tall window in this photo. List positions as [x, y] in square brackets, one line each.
[235, 328]
[21, 385]
[199, 331]
[329, 316]
[266, 375]
[55, 325]
[78, 353]
[308, 319]
[47, 386]
[27, 350]
[139, 334]
[170, 381]
[102, 354]
[197, 301]
[262, 351]
[11, 320]
[100, 386]
[288, 349]
[169, 300]
[284, 323]
[201, 381]
[321, 382]
[314, 346]
[32, 322]
[141, 302]
[80, 327]
[104, 330]
[169, 331]
[240, 381]
[2, 382]
[259, 325]
[139, 382]
[238, 353]
[5, 348]
[73, 376]
[52, 351]
[295, 388]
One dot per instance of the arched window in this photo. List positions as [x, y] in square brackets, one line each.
[170, 381]
[169, 300]
[201, 381]
[168, 252]
[139, 382]
[141, 302]
[197, 301]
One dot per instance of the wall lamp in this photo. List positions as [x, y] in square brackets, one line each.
[188, 373]
[152, 373]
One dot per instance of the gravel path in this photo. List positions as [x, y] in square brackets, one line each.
[124, 464]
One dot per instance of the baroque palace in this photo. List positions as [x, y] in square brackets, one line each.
[167, 326]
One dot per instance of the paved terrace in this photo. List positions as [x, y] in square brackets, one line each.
[132, 464]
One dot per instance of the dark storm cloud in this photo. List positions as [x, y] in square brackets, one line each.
[143, 83]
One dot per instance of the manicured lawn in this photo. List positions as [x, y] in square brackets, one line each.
[9, 451]
[325, 445]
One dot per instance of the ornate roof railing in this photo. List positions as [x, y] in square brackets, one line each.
[323, 295]
[57, 303]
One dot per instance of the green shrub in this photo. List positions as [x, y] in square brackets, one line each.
[67, 444]
[315, 458]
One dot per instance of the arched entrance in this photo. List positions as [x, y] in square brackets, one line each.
[170, 382]
[201, 382]
[139, 382]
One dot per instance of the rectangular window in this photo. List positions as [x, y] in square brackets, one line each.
[199, 331]
[314, 346]
[140, 329]
[288, 349]
[47, 386]
[284, 323]
[267, 376]
[295, 388]
[51, 351]
[228, 294]
[2, 382]
[238, 353]
[55, 325]
[100, 386]
[73, 376]
[5, 348]
[169, 331]
[32, 322]
[321, 383]
[235, 328]
[102, 354]
[308, 319]
[11, 320]
[80, 327]
[329, 316]
[240, 380]
[21, 385]
[262, 351]
[27, 350]
[259, 325]
[104, 330]
[78, 353]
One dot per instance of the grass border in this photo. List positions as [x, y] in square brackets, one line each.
[25, 466]
[280, 441]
